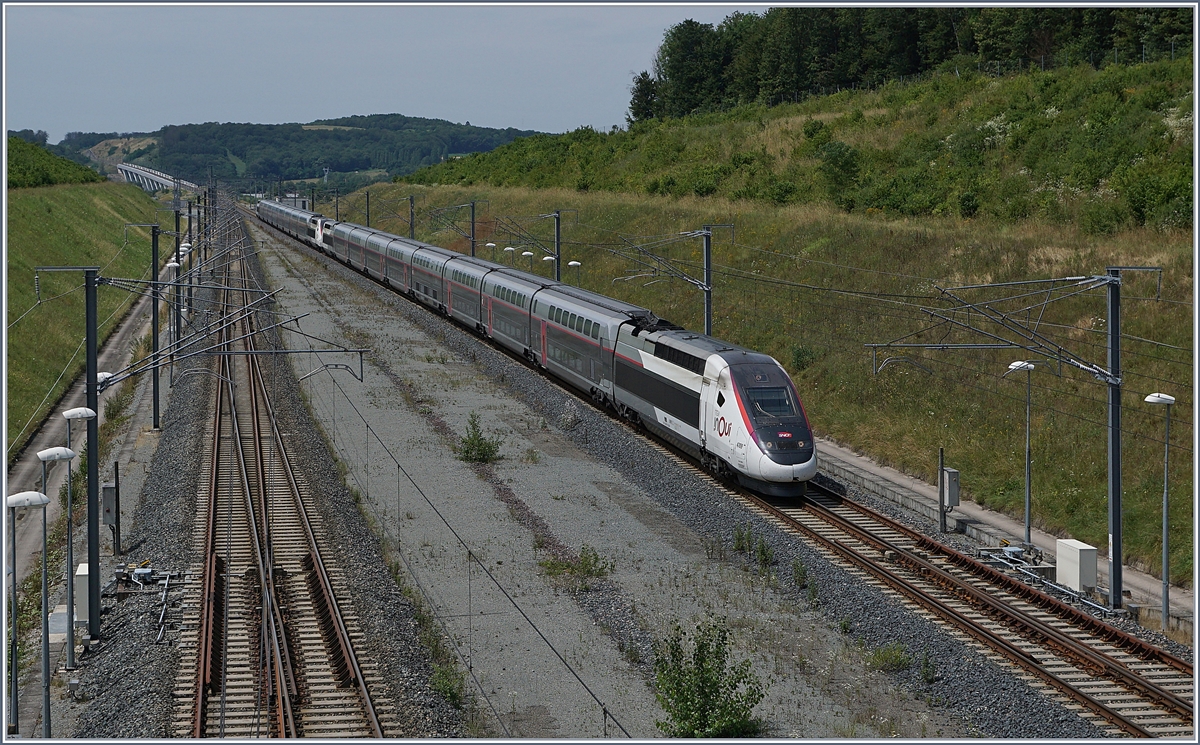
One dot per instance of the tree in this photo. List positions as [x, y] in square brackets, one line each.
[688, 68]
[701, 694]
[643, 102]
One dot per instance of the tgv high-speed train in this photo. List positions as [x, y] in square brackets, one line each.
[734, 409]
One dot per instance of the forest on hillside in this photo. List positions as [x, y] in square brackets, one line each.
[392, 142]
[786, 54]
[31, 164]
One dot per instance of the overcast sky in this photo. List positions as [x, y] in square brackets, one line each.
[136, 68]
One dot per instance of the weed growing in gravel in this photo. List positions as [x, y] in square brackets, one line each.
[844, 625]
[812, 594]
[928, 670]
[449, 682]
[765, 555]
[589, 566]
[702, 695]
[890, 658]
[799, 573]
[532, 456]
[475, 447]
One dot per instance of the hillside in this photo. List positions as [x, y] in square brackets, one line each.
[65, 225]
[1104, 149]
[30, 165]
[392, 142]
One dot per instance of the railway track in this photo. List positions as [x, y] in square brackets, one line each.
[1116, 681]
[1110, 678]
[268, 649]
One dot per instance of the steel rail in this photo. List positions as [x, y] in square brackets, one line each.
[984, 635]
[1097, 663]
[280, 676]
[1118, 638]
[346, 661]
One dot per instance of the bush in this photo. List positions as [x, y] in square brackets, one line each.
[474, 447]
[802, 358]
[701, 694]
[891, 658]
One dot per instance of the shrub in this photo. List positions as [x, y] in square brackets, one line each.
[968, 204]
[702, 695]
[474, 447]
[890, 658]
[802, 358]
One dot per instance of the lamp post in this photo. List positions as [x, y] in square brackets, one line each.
[79, 413]
[32, 499]
[551, 258]
[530, 255]
[175, 333]
[1027, 366]
[576, 264]
[492, 246]
[509, 250]
[1163, 399]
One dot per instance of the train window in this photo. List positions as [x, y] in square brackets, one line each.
[595, 331]
[587, 328]
[571, 323]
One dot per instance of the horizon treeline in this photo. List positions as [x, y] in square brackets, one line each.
[786, 54]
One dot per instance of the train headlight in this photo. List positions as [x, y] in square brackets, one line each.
[769, 445]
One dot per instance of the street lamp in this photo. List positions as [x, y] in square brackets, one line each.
[32, 499]
[530, 255]
[576, 264]
[175, 333]
[493, 247]
[80, 413]
[1163, 399]
[508, 250]
[1027, 366]
[546, 258]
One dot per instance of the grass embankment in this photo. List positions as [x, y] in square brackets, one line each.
[68, 225]
[1101, 149]
[902, 415]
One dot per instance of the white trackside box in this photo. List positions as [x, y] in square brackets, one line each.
[1076, 564]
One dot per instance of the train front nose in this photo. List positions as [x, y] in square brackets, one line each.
[769, 470]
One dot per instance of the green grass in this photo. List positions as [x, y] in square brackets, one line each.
[73, 225]
[903, 415]
[1103, 149]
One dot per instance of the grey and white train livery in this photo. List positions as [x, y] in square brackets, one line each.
[734, 409]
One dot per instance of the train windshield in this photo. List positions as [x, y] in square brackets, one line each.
[771, 403]
[767, 393]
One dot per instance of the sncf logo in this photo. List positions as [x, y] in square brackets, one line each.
[785, 435]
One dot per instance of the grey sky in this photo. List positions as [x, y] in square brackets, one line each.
[136, 68]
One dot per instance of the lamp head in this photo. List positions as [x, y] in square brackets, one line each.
[26, 499]
[173, 265]
[547, 258]
[527, 253]
[1020, 365]
[1160, 398]
[58, 453]
[81, 412]
[574, 263]
[489, 245]
[509, 248]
